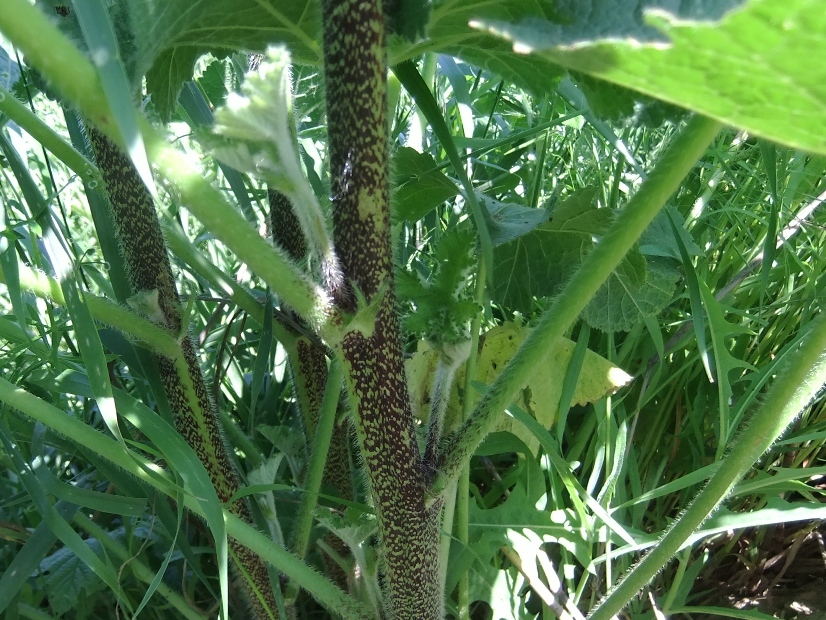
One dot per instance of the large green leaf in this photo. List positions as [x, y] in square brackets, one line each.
[535, 264]
[759, 68]
[162, 40]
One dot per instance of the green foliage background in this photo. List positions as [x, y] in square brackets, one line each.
[558, 116]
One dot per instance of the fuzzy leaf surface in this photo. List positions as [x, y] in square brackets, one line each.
[758, 68]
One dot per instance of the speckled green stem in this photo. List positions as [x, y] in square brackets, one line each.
[308, 367]
[148, 268]
[356, 72]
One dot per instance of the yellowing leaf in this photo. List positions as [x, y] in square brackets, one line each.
[540, 397]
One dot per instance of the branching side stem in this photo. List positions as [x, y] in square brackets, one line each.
[676, 162]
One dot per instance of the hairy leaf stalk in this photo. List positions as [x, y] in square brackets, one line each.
[356, 72]
[148, 268]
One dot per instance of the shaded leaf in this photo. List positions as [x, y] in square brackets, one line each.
[631, 292]
[420, 186]
[166, 77]
[509, 221]
[67, 576]
[536, 264]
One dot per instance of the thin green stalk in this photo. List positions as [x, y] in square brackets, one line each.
[677, 161]
[463, 484]
[793, 390]
[140, 570]
[130, 323]
[70, 72]
[321, 445]
[48, 138]
[75, 430]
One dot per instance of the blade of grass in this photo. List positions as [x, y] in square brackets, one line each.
[695, 299]
[767, 149]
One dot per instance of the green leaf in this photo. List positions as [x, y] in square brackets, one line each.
[537, 263]
[67, 576]
[166, 77]
[451, 33]
[217, 80]
[749, 70]
[219, 25]
[407, 18]
[636, 289]
[509, 221]
[420, 186]
[30, 555]
[614, 102]
[659, 240]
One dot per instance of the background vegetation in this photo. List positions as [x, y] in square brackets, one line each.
[717, 295]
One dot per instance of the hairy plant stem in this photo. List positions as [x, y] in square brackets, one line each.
[134, 325]
[680, 157]
[47, 137]
[371, 353]
[149, 270]
[796, 386]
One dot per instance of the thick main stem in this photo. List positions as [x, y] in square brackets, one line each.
[356, 73]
